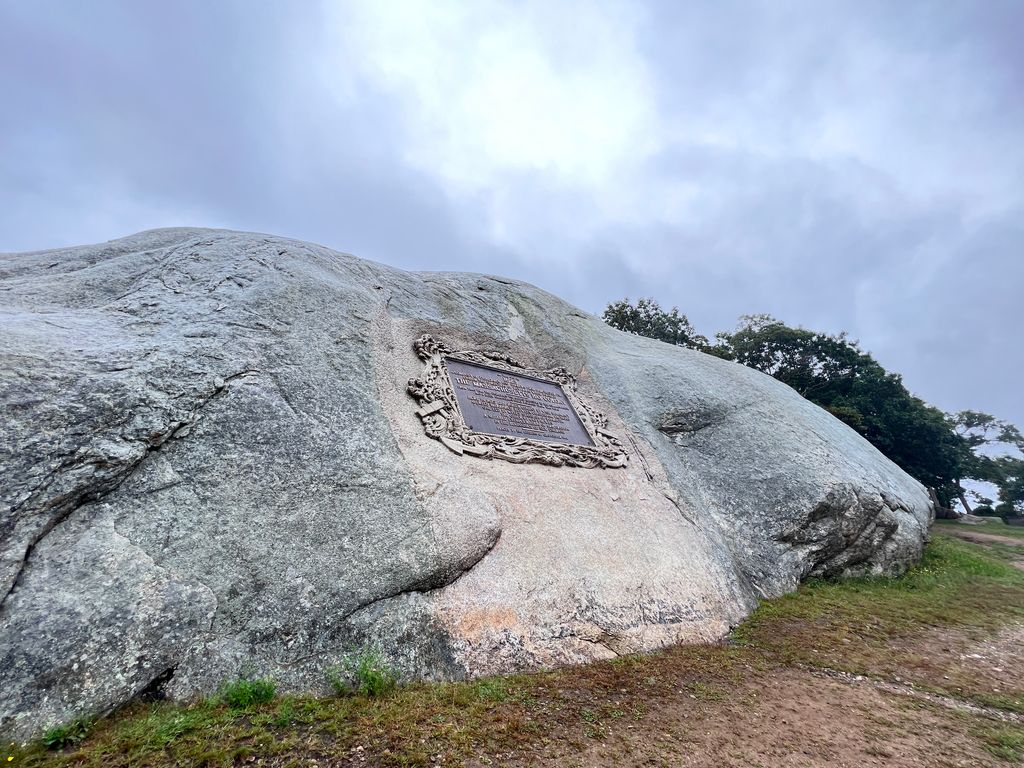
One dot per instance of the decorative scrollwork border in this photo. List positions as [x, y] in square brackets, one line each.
[442, 419]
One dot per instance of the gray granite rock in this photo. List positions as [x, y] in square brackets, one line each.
[209, 465]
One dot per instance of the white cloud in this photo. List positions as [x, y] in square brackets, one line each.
[494, 90]
[850, 165]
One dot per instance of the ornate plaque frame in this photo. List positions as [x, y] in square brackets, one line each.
[442, 419]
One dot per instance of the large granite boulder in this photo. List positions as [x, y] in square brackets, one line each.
[210, 462]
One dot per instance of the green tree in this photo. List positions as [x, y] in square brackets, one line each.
[1011, 482]
[835, 373]
[809, 362]
[988, 439]
[1005, 509]
[647, 318]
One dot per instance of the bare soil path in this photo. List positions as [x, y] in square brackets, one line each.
[809, 716]
[979, 537]
[792, 718]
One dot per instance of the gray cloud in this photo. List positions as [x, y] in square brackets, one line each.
[854, 166]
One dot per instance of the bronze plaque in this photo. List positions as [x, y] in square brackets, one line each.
[498, 402]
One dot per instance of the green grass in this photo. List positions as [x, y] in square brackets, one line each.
[1007, 702]
[995, 526]
[955, 584]
[867, 626]
[365, 673]
[245, 692]
[1003, 741]
[162, 727]
[861, 625]
[1010, 553]
[493, 689]
[67, 734]
[701, 690]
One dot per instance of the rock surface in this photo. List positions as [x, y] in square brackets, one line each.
[210, 465]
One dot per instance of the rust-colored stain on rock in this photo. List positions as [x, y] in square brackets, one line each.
[475, 623]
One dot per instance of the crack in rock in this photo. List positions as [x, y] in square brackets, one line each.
[61, 508]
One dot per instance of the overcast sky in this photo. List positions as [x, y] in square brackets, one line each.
[844, 166]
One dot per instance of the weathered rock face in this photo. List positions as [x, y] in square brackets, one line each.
[209, 462]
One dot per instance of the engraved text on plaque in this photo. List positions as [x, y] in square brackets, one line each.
[487, 404]
[503, 403]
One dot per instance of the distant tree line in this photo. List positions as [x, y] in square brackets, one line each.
[941, 450]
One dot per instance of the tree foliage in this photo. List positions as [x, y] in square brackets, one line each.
[1011, 482]
[835, 373]
[647, 318]
[987, 440]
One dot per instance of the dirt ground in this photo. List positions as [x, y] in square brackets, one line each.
[808, 717]
[792, 719]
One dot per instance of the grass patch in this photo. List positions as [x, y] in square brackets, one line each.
[365, 673]
[62, 736]
[163, 726]
[1004, 701]
[872, 626]
[245, 692]
[1003, 741]
[996, 527]
[699, 690]
[955, 584]
[493, 689]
